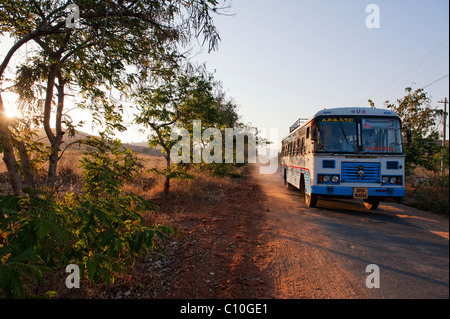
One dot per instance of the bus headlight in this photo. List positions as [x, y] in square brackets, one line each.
[335, 179]
[326, 179]
[394, 180]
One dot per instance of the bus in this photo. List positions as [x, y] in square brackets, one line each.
[346, 153]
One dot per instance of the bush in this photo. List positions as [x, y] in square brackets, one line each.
[32, 240]
[100, 230]
[432, 194]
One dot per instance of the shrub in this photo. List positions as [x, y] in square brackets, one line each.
[101, 230]
[432, 194]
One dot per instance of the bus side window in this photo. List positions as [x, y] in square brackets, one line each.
[303, 145]
[307, 132]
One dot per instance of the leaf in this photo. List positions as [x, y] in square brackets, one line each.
[91, 267]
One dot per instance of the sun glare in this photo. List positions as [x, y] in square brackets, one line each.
[10, 113]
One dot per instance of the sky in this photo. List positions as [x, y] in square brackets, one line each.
[289, 59]
[286, 59]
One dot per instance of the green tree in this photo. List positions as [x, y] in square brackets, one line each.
[417, 115]
[176, 103]
[116, 44]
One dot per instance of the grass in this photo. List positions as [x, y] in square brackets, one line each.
[204, 186]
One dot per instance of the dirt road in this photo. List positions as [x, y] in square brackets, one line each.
[254, 239]
[260, 240]
[323, 252]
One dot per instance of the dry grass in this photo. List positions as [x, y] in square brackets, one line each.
[425, 189]
[203, 187]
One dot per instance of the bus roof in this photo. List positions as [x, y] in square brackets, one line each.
[355, 111]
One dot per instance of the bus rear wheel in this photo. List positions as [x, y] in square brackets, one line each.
[371, 203]
[311, 200]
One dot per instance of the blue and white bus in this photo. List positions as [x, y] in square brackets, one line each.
[347, 153]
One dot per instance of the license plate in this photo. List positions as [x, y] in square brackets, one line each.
[360, 192]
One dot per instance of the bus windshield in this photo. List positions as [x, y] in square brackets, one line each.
[381, 135]
[337, 134]
[358, 135]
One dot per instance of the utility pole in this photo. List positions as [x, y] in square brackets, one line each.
[445, 132]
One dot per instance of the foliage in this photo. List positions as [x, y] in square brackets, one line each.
[118, 44]
[421, 119]
[432, 195]
[108, 223]
[101, 230]
[175, 103]
[115, 45]
[171, 172]
[32, 237]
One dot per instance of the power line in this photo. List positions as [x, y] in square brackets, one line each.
[435, 81]
[415, 75]
[410, 68]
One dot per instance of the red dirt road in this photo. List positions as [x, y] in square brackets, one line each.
[261, 241]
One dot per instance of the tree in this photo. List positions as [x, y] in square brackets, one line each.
[417, 115]
[159, 110]
[176, 103]
[114, 37]
[118, 44]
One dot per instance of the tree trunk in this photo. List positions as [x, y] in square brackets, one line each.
[8, 152]
[53, 158]
[24, 162]
[58, 138]
[167, 182]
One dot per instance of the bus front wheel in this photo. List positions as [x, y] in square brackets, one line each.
[371, 204]
[310, 200]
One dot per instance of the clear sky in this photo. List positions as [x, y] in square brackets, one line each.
[281, 60]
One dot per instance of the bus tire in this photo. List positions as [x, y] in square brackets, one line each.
[371, 204]
[289, 187]
[302, 184]
[311, 200]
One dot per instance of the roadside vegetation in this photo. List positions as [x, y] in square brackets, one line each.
[92, 207]
[427, 160]
[428, 191]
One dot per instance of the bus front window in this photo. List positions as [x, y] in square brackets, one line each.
[381, 135]
[336, 135]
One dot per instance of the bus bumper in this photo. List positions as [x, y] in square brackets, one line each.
[348, 191]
